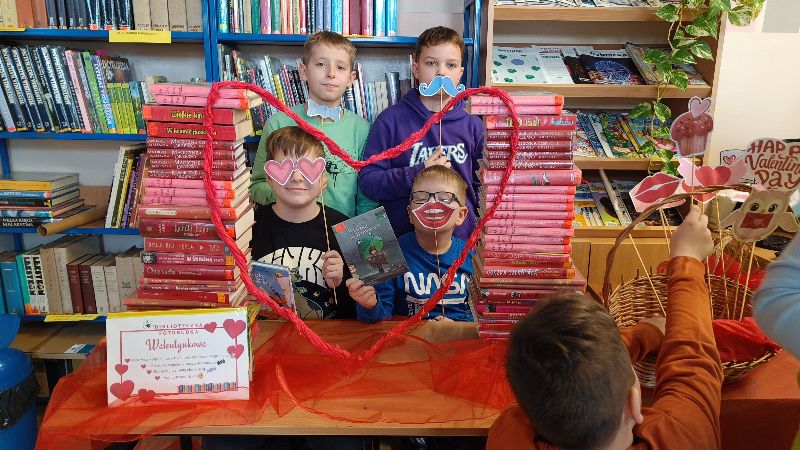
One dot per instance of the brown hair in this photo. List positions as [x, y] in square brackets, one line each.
[570, 371]
[437, 36]
[330, 39]
[294, 143]
[445, 175]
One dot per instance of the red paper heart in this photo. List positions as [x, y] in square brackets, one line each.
[712, 176]
[279, 171]
[313, 338]
[121, 390]
[234, 327]
[158, 377]
[728, 159]
[121, 368]
[236, 350]
[144, 365]
[127, 360]
[312, 170]
[210, 327]
[145, 395]
[149, 371]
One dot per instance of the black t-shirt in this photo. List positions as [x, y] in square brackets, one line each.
[299, 246]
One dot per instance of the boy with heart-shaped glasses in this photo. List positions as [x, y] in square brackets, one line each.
[327, 69]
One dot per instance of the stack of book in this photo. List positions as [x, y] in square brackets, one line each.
[617, 135]
[524, 253]
[30, 199]
[186, 264]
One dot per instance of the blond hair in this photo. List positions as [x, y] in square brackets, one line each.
[330, 39]
[445, 175]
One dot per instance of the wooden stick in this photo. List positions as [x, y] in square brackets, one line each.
[327, 238]
[438, 265]
[647, 274]
[664, 227]
[721, 253]
[747, 280]
[736, 295]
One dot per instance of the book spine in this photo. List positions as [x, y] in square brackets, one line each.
[188, 272]
[535, 177]
[97, 98]
[517, 189]
[40, 100]
[499, 221]
[11, 288]
[189, 193]
[112, 289]
[50, 279]
[366, 18]
[186, 246]
[149, 304]
[187, 114]
[18, 89]
[105, 98]
[187, 184]
[190, 154]
[186, 201]
[11, 94]
[184, 258]
[544, 122]
[212, 297]
[354, 16]
[177, 15]
[141, 15]
[194, 144]
[532, 198]
[521, 155]
[180, 130]
[136, 99]
[89, 98]
[98, 276]
[194, 164]
[531, 164]
[49, 82]
[5, 114]
[181, 228]
[87, 289]
[265, 19]
[74, 281]
[502, 109]
[81, 95]
[379, 21]
[183, 212]
[39, 13]
[523, 239]
[28, 284]
[224, 175]
[67, 91]
[24, 14]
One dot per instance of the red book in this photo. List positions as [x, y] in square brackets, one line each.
[189, 212]
[195, 183]
[195, 246]
[532, 248]
[214, 297]
[519, 189]
[74, 279]
[482, 110]
[529, 155]
[528, 272]
[513, 296]
[145, 304]
[220, 175]
[523, 262]
[534, 177]
[530, 226]
[194, 193]
[196, 90]
[530, 135]
[497, 317]
[39, 13]
[533, 122]
[195, 144]
[192, 153]
[189, 285]
[195, 164]
[532, 206]
[170, 113]
[196, 229]
[512, 283]
[519, 309]
[533, 145]
[231, 103]
[192, 201]
[185, 258]
[366, 18]
[533, 198]
[190, 272]
[506, 217]
[525, 239]
[87, 285]
[198, 131]
[530, 164]
[521, 99]
[543, 257]
[524, 228]
[355, 16]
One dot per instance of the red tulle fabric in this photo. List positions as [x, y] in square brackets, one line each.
[444, 381]
[741, 340]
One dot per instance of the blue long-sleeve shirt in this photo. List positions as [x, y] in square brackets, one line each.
[389, 181]
[777, 303]
[406, 294]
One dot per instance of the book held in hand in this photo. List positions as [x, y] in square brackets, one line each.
[370, 247]
[274, 280]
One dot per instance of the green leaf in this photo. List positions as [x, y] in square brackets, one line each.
[641, 111]
[702, 50]
[679, 79]
[648, 149]
[724, 5]
[655, 56]
[682, 56]
[670, 168]
[660, 133]
[695, 30]
[668, 13]
[664, 70]
[666, 154]
[683, 42]
[741, 16]
[661, 111]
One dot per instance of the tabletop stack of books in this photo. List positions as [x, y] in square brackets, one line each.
[524, 254]
[186, 263]
[30, 199]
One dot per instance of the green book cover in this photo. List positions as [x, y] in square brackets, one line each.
[275, 15]
[255, 9]
[97, 102]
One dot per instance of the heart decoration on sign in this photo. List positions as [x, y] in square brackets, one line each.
[236, 350]
[775, 164]
[145, 395]
[234, 327]
[210, 327]
[121, 368]
[313, 338]
[122, 390]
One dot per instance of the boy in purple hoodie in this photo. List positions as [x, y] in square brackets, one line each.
[438, 53]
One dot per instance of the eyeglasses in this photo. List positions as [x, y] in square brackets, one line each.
[422, 197]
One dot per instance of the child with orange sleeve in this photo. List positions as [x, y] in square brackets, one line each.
[571, 372]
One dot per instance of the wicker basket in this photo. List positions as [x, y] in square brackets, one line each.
[635, 300]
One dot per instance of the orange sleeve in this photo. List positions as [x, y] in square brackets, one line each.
[641, 339]
[685, 411]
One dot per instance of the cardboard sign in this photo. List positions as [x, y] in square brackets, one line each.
[178, 355]
[140, 36]
[691, 129]
[655, 188]
[760, 215]
[775, 164]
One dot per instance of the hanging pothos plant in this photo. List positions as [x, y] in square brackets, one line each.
[687, 44]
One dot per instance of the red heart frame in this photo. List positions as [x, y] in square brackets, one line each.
[313, 338]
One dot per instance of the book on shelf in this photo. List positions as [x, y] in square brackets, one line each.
[125, 184]
[649, 72]
[37, 181]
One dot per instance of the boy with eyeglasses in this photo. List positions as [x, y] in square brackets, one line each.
[436, 207]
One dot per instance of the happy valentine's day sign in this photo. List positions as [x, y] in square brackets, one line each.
[775, 164]
[185, 354]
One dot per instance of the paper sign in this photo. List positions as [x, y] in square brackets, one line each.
[775, 164]
[691, 129]
[69, 317]
[760, 215]
[653, 189]
[735, 160]
[12, 29]
[178, 355]
[140, 36]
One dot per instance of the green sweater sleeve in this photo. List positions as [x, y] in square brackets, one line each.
[260, 190]
[363, 203]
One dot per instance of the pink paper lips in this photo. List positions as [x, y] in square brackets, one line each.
[433, 215]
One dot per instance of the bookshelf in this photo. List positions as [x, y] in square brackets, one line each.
[573, 91]
[208, 41]
[578, 14]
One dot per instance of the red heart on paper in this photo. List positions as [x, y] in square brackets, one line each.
[127, 360]
[210, 327]
[121, 390]
[145, 395]
[144, 365]
[236, 350]
[325, 347]
[712, 176]
[158, 377]
[729, 159]
[149, 371]
[121, 368]
[234, 327]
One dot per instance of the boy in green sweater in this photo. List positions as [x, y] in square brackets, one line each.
[327, 68]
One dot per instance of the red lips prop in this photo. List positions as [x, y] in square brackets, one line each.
[653, 189]
[302, 328]
[433, 215]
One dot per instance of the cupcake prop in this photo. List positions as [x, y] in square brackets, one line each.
[691, 129]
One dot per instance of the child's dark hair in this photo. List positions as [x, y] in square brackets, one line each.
[570, 371]
[447, 175]
[330, 39]
[437, 36]
[294, 143]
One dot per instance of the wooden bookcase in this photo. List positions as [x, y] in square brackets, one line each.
[601, 28]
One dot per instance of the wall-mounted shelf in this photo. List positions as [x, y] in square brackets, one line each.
[578, 14]
[608, 91]
[299, 39]
[618, 163]
[86, 35]
[74, 136]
